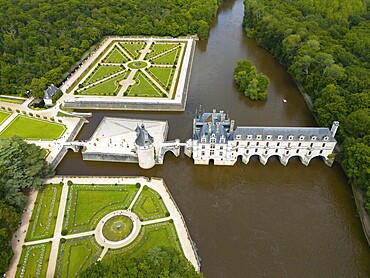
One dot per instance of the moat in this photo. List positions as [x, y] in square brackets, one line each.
[253, 220]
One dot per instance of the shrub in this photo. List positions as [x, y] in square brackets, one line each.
[69, 182]
[38, 116]
[64, 232]
[52, 119]
[17, 110]
[44, 117]
[138, 185]
[63, 240]
[9, 109]
[30, 114]
[167, 214]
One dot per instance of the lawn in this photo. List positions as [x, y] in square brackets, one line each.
[76, 255]
[87, 204]
[143, 87]
[42, 223]
[12, 100]
[117, 228]
[169, 58]
[133, 48]
[102, 72]
[150, 205]
[157, 48]
[115, 56]
[33, 129]
[153, 235]
[162, 75]
[3, 116]
[107, 87]
[34, 260]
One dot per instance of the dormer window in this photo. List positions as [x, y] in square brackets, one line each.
[250, 137]
[258, 137]
[238, 136]
[326, 138]
[268, 137]
[290, 137]
[280, 137]
[203, 140]
[301, 137]
[222, 139]
[213, 140]
[313, 138]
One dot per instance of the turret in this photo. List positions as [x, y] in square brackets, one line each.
[334, 128]
[144, 148]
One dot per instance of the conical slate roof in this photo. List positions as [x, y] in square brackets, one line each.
[143, 138]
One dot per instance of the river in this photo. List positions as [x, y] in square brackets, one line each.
[250, 220]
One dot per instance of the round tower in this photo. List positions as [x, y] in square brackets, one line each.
[144, 148]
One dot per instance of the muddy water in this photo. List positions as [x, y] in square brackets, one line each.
[251, 220]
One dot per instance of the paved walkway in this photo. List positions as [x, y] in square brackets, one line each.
[156, 184]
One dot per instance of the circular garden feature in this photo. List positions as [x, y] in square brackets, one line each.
[117, 228]
[137, 65]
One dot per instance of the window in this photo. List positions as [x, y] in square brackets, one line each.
[221, 153]
[258, 143]
[268, 137]
[212, 152]
[287, 152]
[311, 145]
[203, 147]
[221, 147]
[276, 150]
[203, 153]
[222, 139]
[238, 136]
[290, 137]
[237, 143]
[326, 138]
[256, 150]
[299, 144]
[213, 140]
[203, 139]
[278, 144]
[249, 136]
[297, 151]
[258, 137]
[266, 152]
[212, 146]
[237, 150]
[301, 137]
[267, 144]
[313, 137]
[309, 153]
[323, 145]
[248, 144]
[280, 137]
[247, 152]
[321, 151]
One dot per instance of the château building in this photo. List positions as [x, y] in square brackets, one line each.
[216, 138]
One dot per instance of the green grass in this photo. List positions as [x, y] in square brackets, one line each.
[133, 49]
[42, 223]
[107, 87]
[87, 204]
[33, 129]
[76, 255]
[101, 72]
[117, 228]
[153, 235]
[3, 116]
[157, 48]
[169, 58]
[32, 256]
[149, 205]
[143, 87]
[162, 75]
[11, 100]
[115, 56]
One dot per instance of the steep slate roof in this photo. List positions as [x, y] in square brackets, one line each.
[143, 138]
[51, 91]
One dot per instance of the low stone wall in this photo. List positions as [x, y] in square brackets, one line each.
[110, 157]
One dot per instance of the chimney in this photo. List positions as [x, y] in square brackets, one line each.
[209, 127]
[232, 123]
[222, 116]
[217, 127]
[334, 128]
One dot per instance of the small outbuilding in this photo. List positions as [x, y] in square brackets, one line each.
[50, 92]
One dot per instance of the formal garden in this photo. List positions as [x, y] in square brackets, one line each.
[34, 260]
[147, 224]
[87, 204]
[142, 68]
[33, 129]
[75, 255]
[45, 212]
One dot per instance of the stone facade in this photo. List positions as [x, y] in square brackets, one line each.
[215, 137]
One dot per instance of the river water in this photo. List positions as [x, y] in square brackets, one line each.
[250, 220]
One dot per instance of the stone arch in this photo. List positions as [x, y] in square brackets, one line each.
[324, 158]
[274, 155]
[296, 155]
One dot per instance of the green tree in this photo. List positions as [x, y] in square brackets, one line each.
[358, 123]
[156, 262]
[22, 166]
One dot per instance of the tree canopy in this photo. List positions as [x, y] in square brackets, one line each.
[22, 166]
[253, 85]
[157, 262]
[41, 40]
[325, 46]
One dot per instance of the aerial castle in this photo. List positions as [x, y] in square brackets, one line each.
[215, 138]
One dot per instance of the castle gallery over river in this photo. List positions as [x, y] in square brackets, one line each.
[215, 138]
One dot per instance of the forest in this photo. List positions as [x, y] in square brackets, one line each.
[325, 45]
[41, 39]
